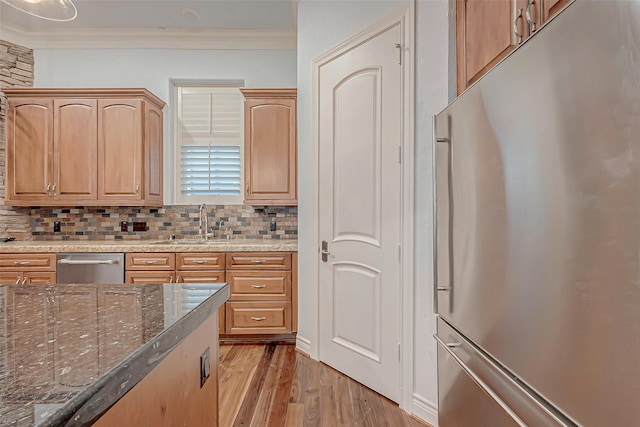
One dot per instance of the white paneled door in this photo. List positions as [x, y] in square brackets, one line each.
[360, 131]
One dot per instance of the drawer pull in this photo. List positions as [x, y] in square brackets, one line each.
[258, 319]
[199, 261]
[149, 261]
[258, 261]
[24, 280]
[258, 286]
[22, 262]
[18, 280]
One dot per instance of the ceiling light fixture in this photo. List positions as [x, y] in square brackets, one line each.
[53, 10]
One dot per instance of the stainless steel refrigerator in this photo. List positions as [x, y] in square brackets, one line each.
[537, 171]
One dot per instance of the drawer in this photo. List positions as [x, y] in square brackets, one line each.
[200, 261]
[150, 261]
[149, 277]
[259, 261]
[200, 276]
[258, 317]
[28, 262]
[259, 285]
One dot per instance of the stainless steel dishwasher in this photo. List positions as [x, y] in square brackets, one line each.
[98, 268]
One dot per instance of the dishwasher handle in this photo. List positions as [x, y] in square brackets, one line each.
[87, 261]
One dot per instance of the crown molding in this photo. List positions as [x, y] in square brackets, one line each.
[103, 38]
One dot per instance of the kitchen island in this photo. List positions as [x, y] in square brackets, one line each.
[78, 355]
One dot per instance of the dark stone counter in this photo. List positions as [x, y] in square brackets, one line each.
[69, 352]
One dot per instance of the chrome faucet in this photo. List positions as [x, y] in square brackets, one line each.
[203, 232]
[226, 229]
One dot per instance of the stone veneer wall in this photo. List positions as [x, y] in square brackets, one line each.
[16, 70]
[90, 223]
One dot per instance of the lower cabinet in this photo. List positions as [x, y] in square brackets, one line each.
[263, 291]
[22, 269]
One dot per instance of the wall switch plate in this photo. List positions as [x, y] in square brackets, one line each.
[56, 226]
[272, 225]
[139, 226]
[124, 226]
[205, 367]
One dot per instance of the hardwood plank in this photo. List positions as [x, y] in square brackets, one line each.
[295, 415]
[236, 373]
[245, 414]
[280, 408]
[276, 385]
[263, 410]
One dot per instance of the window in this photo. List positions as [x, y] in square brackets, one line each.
[209, 145]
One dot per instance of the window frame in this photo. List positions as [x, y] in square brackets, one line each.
[180, 198]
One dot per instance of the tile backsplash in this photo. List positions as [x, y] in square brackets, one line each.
[94, 223]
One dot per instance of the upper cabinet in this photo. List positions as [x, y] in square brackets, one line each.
[488, 30]
[270, 147]
[94, 147]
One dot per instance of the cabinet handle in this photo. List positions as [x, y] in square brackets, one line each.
[149, 261]
[170, 279]
[258, 319]
[137, 189]
[531, 21]
[48, 190]
[199, 261]
[247, 188]
[18, 280]
[258, 286]
[22, 262]
[24, 280]
[258, 261]
[515, 26]
[178, 279]
[53, 189]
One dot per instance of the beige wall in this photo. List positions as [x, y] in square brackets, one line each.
[16, 70]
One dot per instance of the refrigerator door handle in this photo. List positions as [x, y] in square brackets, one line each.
[479, 380]
[449, 216]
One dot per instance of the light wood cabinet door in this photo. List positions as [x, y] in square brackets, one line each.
[26, 261]
[259, 285]
[270, 148]
[197, 261]
[119, 149]
[153, 154]
[485, 35]
[39, 277]
[150, 261]
[551, 7]
[258, 318]
[75, 350]
[200, 276]
[120, 327]
[30, 337]
[75, 150]
[259, 261]
[149, 277]
[29, 155]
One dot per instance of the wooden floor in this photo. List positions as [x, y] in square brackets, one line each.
[276, 386]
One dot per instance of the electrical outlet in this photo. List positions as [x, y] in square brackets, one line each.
[272, 225]
[124, 226]
[56, 226]
[139, 226]
[205, 367]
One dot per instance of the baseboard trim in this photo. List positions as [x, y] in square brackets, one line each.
[424, 409]
[303, 345]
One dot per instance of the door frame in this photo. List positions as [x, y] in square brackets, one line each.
[405, 17]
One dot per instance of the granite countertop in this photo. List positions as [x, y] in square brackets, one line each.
[233, 245]
[70, 352]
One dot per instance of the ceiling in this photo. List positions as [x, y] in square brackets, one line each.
[137, 23]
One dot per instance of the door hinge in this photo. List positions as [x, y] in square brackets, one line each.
[400, 154]
[399, 353]
[399, 253]
[399, 47]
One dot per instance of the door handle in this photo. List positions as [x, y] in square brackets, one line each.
[531, 20]
[325, 251]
